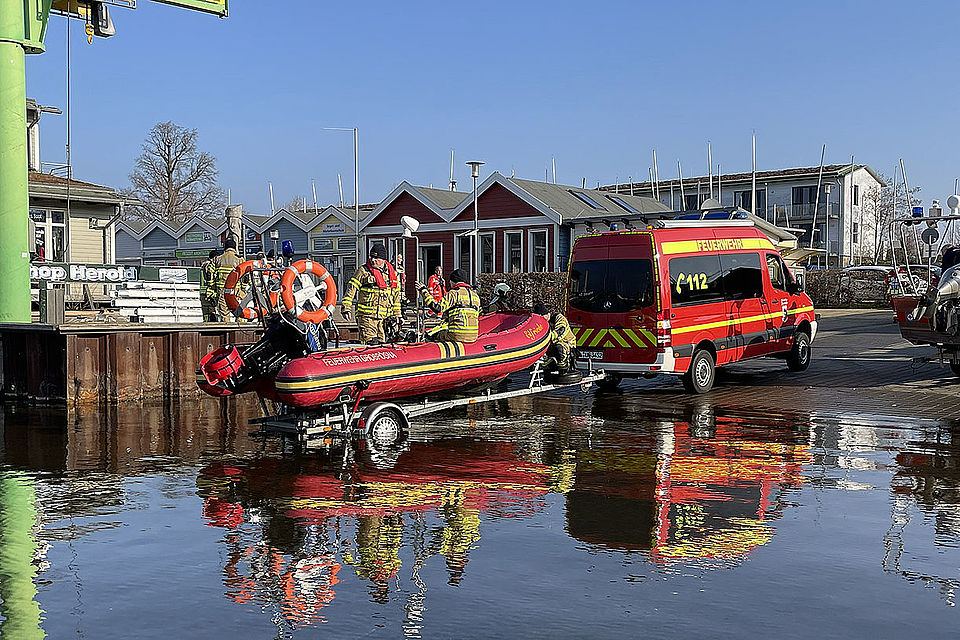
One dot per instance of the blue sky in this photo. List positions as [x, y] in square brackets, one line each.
[595, 85]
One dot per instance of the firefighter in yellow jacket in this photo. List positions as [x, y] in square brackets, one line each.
[221, 266]
[208, 291]
[459, 310]
[376, 288]
[562, 344]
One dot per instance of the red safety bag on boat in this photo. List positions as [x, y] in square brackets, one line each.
[220, 364]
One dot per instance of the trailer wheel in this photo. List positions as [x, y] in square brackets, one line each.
[385, 433]
[385, 428]
[798, 359]
[702, 372]
[955, 367]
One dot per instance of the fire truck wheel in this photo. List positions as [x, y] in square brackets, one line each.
[702, 372]
[609, 382]
[799, 357]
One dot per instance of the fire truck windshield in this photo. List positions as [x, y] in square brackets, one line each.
[611, 286]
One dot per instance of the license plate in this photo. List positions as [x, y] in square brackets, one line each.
[591, 355]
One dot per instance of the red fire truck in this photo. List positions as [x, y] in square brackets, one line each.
[683, 297]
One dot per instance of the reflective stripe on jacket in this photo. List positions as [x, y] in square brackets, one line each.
[207, 278]
[222, 265]
[460, 311]
[560, 331]
[372, 301]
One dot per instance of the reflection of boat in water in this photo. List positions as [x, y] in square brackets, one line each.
[706, 489]
[300, 514]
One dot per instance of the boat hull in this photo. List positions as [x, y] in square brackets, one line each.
[508, 342]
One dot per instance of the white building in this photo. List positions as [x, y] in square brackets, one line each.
[788, 198]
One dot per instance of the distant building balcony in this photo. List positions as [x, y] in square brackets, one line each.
[805, 211]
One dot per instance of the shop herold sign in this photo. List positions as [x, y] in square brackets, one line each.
[63, 272]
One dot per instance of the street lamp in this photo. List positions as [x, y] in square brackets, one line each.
[475, 173]
[826, 215]
[275, 235]
[410, 226]
[356, 187]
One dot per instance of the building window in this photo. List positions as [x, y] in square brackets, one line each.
[587, 200]
[855, 233]
[487, 253]
[538, 250]
[323, 244]
[856, 195]
[623, 204]
[742, 199]
[50, 235]
[513, 258]
[463, 253]
[397, 249]
[691, 202]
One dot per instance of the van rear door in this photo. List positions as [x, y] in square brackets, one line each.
[612, 301]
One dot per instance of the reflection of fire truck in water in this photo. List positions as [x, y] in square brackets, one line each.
[286, 518]
[703, 488]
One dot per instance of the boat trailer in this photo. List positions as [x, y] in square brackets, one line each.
[383, 424]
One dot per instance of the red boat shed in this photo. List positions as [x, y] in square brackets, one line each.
[524, 225]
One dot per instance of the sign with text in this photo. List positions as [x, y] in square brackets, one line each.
[331, 228]
[64, 272]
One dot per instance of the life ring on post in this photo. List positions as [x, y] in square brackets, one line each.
[244, 307]
[305, 304]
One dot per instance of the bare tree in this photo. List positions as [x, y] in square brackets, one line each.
[879, 212]
[297, 203]
[173, 179]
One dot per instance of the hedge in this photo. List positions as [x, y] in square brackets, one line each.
[830, 288]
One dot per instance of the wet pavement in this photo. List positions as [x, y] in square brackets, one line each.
[788, 505]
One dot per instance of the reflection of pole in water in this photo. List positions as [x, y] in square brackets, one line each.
[18, 511]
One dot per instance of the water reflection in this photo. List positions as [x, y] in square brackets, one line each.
[705, 486]
[665, 485]
[298, 521]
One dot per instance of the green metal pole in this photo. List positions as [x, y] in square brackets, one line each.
[18, 517]
[14, 252]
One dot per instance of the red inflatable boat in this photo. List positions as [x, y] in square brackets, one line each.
[508, 342]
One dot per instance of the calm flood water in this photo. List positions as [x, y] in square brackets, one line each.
[555, 517]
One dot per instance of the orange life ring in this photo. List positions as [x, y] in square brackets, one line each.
[243, 308]
[321, 310]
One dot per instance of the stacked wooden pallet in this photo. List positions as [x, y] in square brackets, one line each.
[158, 301]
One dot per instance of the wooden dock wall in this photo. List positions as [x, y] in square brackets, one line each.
[85, 365]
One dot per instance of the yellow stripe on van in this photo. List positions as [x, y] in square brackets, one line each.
[637, 340]
[616, 336]
[730, 323]
[601, 333]
[712, 245]
[649, 336]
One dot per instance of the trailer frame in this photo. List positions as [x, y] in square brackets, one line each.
[384, 422]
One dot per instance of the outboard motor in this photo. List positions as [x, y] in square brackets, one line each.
[281, 342]
[941, 303]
